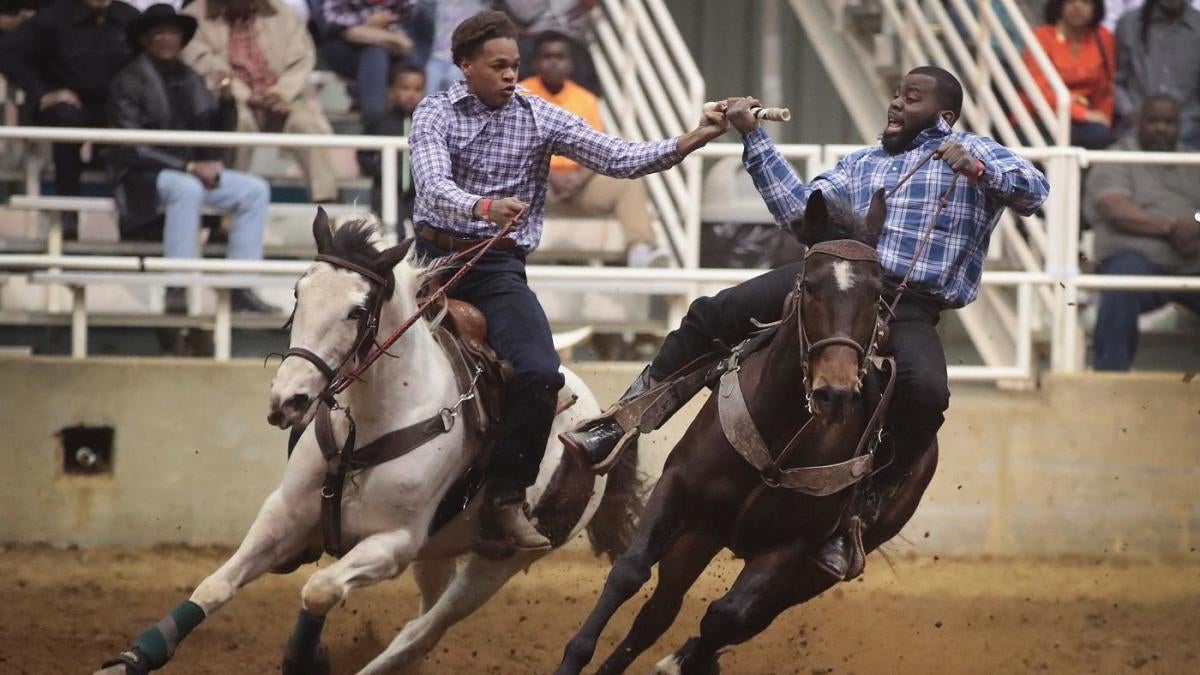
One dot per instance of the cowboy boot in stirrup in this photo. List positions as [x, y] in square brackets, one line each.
[512, 520]
[597, 439]
[843, 557]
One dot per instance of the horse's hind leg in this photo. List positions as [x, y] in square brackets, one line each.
[677, 571]
[374, 559]
[279, 533]
[769, 584]
[662, 523]
[476, 581]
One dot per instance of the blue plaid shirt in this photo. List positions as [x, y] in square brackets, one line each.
[953, 262]
[462, 151]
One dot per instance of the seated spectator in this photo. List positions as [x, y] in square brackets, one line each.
[405, 91]
[440, 71]
[13, 13]
[1146, 223]
[63, 58]
[1084, 56]
[574, 190]
[364, 38]
[1158, 52]
[569, 17]
[266, 52]
[158, 91]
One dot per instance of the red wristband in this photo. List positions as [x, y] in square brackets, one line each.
[487, 206]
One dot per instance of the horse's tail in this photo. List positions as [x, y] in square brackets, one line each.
[616, 519]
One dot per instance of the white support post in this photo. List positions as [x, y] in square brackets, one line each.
[223, 326]
[389, 173]
[54, 247]
[79, 327]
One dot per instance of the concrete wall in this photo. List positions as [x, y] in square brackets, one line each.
[1088, 464]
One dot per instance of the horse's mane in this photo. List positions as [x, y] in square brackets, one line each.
[356, 241]
[843, 222]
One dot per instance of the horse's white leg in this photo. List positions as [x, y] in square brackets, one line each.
[476, 582]
[279, 533]
[433, 576]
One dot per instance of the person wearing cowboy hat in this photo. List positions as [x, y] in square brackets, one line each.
[167, 187]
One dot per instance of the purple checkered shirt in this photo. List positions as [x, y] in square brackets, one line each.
[953, 263]
[462, 152]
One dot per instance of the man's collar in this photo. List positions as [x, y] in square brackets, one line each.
[458, 92]
[1189, 17]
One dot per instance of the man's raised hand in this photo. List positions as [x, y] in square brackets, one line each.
[953, 153]
[737, 111]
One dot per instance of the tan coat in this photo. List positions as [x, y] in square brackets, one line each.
[283, 39]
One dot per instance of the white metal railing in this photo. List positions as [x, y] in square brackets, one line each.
[1054, 286]
[640, 56]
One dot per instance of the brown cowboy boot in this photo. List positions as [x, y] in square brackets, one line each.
[511, 519]
[597, 439]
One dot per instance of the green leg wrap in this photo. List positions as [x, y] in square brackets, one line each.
[159, 642]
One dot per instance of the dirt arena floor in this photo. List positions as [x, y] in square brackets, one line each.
[65, 611]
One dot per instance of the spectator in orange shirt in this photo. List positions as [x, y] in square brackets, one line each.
[577, 191]
[1084, 55]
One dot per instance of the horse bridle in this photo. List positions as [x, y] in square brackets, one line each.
[368, 325]
[852, 251]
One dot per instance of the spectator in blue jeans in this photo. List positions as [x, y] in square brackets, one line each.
[365, 37]
[167, 187]
[1147, 220]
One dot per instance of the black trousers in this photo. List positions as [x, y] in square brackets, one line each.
[518, 330]
[922, 394]
[68, 167]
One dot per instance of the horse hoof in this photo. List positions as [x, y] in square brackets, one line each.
[132, 662]
[316, 663]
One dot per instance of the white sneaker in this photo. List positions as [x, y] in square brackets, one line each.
[645, 255]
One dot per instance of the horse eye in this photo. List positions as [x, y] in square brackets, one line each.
[356, 314]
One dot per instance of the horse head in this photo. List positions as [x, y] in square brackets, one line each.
[838, 301]
[339, 300]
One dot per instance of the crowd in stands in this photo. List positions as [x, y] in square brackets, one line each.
[1132, 68]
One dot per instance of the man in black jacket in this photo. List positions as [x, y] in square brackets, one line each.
[63, 58]
[157, 91]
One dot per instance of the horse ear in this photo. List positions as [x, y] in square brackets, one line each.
[816, 214]
[392, 256]
[322, 232]
[876, 214]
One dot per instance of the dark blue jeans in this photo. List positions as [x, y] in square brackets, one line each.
[1091, 135]
[367, 67]
[518, 330]
[1116, 334]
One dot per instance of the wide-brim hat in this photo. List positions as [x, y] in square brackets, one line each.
[156, 15]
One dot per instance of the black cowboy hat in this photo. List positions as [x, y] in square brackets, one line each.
[156, 15]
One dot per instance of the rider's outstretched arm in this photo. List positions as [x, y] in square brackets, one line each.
[775, 179]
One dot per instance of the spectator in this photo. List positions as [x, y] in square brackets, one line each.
[13, 13]
[364, 38]
[1084, 55]
[63, 58]
[1146, 219]
[1115, 9]
[158, 91]
[267, 53]
[1158, 52]
[577, 191]
[405, 91]
[440, 71]
[569, 17]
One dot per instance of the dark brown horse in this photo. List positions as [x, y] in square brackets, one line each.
[710, 497]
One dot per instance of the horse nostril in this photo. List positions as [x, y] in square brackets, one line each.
[275, 418]
[822, 395]
[298, 402]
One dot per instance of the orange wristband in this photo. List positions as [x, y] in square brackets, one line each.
[487, 207]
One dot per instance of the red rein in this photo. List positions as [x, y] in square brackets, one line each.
[478, 250]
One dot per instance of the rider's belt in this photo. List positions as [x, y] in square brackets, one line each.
[450, 242]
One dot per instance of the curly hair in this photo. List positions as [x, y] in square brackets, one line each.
[472, 33]
[1054, 10]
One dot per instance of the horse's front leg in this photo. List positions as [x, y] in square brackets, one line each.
[377, 558]
[279, 534]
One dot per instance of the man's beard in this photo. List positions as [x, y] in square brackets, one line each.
[896, 143]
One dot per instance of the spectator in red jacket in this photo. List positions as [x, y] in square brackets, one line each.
[1084, 55]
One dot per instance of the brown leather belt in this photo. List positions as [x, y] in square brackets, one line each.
[451, 243]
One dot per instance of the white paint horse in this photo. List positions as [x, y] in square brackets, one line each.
[387, 510]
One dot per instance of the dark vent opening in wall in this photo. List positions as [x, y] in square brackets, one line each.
[87, 451]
